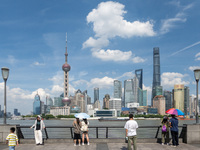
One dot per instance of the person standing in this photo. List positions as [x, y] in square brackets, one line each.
[12, 139]
[77, 131]
[174, 130]
[165, 130]
[131, 126]
[84, 129]
[38, 126]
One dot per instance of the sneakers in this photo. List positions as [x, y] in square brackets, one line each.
[88, 143]
[173, 145]
[163, 144]
[79, 144]
[167, 143]
[83, 144]
[74, 144]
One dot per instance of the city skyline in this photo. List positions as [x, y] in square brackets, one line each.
[33, 40]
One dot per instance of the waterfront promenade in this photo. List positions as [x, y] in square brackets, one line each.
[102, 146]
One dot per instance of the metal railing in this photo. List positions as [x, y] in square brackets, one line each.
[95, 130]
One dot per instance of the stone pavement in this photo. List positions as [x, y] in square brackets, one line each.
[101, 146]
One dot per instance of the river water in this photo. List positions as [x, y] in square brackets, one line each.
[112, 132]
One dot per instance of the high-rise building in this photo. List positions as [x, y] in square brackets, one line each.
[115, 103]
[66, 68]
[135, 89]
[97, 105]
[85, 99]
[37, 105]
[49, 101]
[117, 89]
[156, 71]
[139, 75]
[178, 97]
[106, 101]
[144, 97]
[186, 100]
[159, 103]
[89, 100]
[191, 105]
[58, 102]
[79, 98]
[16, 113]
[168, 100]
[96, 94]
[128, 92]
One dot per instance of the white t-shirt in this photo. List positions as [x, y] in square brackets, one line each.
[131, 126]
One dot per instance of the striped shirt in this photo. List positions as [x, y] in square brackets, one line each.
[12, 138]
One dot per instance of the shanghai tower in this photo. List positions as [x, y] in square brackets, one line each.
[156, 72]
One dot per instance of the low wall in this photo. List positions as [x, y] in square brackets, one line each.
[193, 133]
[4, 131]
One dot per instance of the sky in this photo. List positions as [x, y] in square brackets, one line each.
[106, 40]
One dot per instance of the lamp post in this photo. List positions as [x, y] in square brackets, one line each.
[5, 73]
[197, 77]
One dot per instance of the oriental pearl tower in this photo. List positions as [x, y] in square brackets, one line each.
[66, 68]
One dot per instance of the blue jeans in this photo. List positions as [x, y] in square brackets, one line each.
[11, 147]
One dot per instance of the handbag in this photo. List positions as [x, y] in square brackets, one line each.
[126, 139]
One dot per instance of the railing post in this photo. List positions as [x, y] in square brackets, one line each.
[71, 132]
[157, 132]
[97, 136]
[45, 130]
[106, 132]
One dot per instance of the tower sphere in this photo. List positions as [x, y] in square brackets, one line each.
[66, 101]
[66, 67]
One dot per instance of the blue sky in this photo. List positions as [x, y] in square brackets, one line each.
[107, 40]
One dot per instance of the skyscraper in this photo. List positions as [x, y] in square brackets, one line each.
[117, 89]
[128, 91]
[96, 94]
[168, 99]
[178, 98]
[186, 100]
[106, 101]
[156, 71]
[66, 68]
[37, 105]
[139, 75]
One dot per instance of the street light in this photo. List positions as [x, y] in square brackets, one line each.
[197, 77]
[5, 73]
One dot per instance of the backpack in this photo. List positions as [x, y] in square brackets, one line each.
[164, 128]
[84, 127]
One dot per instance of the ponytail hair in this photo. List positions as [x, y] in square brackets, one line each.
[85, 120]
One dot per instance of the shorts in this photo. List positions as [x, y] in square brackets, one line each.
[77, 136]
[85, 132]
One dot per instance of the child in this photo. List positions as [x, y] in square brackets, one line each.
[84, 129]
[12, 139]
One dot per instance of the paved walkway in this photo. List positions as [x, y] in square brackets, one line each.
[102, 146]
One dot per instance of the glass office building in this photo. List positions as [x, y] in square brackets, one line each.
[139, 75]
[117, 89]
[96, 94]
[168, 100]
[186, 100]
[128, 92]
[37, 105]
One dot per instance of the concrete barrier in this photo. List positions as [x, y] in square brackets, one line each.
[4, 131]
[193, 133]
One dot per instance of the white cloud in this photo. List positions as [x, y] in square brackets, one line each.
[11, 60]
[108, 22]
[138, 59]
[116, 56]
[112, 55]
[36, 63]
[83, 73]
[192, 68]
[170, 23]
[129, 75]
[96, 43]
[197, 56]
[105, 82]
[169, 79]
